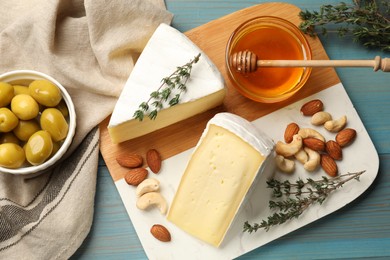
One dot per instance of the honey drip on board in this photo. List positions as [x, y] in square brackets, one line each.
[270, 43]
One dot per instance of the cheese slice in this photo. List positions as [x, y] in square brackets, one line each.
[228, 158]
[166, 50]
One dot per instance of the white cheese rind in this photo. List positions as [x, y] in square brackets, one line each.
[227, 160]
[166, 50]
[244, 129]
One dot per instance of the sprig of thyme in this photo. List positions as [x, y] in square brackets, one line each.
[367, 20]
[177, 80]
[296, 197]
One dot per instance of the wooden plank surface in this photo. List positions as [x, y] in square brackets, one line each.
[360, 230]
[212, 40]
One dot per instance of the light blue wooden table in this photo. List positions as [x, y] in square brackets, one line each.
[359, 230]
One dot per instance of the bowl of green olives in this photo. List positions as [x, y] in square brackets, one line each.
[37, 122]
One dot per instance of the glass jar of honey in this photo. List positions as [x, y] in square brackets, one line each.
[270, 38]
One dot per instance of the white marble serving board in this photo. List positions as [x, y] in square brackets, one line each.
[361, 155]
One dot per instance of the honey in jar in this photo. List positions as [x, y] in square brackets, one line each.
[270, 38]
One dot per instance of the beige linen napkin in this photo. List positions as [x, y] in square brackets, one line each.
[90, 47]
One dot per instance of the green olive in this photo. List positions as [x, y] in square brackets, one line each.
[56, 147]
[9, 137]
[8, 120]
[24, 107]
[11, 155]
[25, 129]
[39, 147]
[20, 89]
[63, 108]
[6, 94]
[53, 121]
[45, 92]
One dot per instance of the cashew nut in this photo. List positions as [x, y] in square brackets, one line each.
[289, 149]
[314, 160]
[146, 186]
[152, 199]
[336, 125]
[301, 156]
[320, 118]
[283, 164]
[309, 132]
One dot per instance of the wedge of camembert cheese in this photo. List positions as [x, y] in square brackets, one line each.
[166, 50]
[224, 165]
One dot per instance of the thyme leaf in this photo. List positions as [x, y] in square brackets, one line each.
[292, 199]
[368, 21]
[176, 81]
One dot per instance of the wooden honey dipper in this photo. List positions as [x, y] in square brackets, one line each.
[247, 62]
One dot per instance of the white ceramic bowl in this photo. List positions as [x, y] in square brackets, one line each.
[24, 77]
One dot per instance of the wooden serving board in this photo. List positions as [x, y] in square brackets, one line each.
[212, 39]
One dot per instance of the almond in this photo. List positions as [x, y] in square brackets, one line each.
[136, 176]
[314, 144]
[129, 160]
[291, 130]
[312, 107]
[161, 233]
[153, 159]
[329, 165]
[334, 150]
[345, 136]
